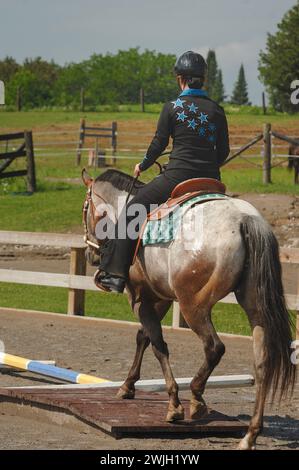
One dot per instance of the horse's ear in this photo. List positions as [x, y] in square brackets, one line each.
[86, 178]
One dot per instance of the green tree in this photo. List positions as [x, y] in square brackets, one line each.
[211, 72]
[218, 89]
[279, 62]
[68, 85]
[8, 68]
[30, 89]
[240, 93]
[46, 74]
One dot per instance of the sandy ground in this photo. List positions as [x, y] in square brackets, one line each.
[106, 349]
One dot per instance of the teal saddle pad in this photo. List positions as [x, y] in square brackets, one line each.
[165, 230]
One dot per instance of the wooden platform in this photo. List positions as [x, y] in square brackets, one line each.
[144, 416]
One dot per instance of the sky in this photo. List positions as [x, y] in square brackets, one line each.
[72, 30]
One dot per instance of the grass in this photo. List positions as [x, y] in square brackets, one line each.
[227, 318]
[56, 206]
[10, 120]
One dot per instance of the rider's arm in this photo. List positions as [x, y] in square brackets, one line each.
[160, 141]
[222, 143]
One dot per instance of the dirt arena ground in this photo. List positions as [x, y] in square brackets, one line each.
[106, 349]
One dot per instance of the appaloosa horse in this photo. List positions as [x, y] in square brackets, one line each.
[235, 251]
[294, 162]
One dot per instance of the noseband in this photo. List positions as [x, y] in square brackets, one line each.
[89, 203]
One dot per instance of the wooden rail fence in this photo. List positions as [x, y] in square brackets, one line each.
[25, 149]
[77, 282]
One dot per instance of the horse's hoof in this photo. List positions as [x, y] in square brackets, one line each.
[125, 393]
[175, 414]
[198, 409]
[245, 445]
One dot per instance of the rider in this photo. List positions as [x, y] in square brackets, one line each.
[199, 131]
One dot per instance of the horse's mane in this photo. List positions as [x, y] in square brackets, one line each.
[120, 181]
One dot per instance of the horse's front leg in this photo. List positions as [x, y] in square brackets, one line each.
[152, 326]
[127, 390]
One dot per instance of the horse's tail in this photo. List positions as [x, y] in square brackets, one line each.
[265, 269]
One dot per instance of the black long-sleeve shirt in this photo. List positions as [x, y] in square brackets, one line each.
[198, 127]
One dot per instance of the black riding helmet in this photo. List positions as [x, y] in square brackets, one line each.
[190, 64]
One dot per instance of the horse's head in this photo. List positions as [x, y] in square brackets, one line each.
[95, 210]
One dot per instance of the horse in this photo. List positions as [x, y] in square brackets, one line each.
[235, 251]
[294, 162]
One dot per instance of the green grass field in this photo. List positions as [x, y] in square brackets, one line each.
[56, 207]
[37, 119]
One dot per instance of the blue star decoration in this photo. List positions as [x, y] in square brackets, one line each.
[212, 127]
[202, 131]
[181, 116]
[178, 103]
[192, 124]
[192, 108]
[211, 138]
[203, 118]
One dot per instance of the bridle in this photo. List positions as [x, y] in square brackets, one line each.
[89, 203]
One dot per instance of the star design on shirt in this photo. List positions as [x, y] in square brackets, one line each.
[192, 123]
[203, 117]
[178, 103]
[192, 108]
[212, 127]
[211, 138]
[181, 116]
[202, 131]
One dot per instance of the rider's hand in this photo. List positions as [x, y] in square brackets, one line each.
[137, 171]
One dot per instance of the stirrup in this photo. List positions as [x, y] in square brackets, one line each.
[97, 280]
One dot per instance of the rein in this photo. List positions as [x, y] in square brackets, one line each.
[89, 202]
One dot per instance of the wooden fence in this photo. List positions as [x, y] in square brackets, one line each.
[25, 149]
[97, 133]
[77, 282]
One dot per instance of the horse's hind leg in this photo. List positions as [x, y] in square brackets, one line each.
[199, 319]
[256, 423]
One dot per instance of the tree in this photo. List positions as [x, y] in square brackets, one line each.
[8, 68]
[240, 93]
[279, 63]
[29, 86]
[46, 74]
[218, 89]
[211, 72]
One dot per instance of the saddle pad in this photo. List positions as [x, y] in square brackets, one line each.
[165, 230]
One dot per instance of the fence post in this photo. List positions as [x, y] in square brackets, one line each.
[177, 318]
[267, 154]
[31, 179]
[114, 141]
[76, 298]
[81, 140]
[142, 100]
[264, 103]
[18, 99]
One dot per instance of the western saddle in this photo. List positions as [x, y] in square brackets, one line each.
[185, 191]
[181, 193]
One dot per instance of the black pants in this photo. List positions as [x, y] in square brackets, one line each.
[117, 254]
